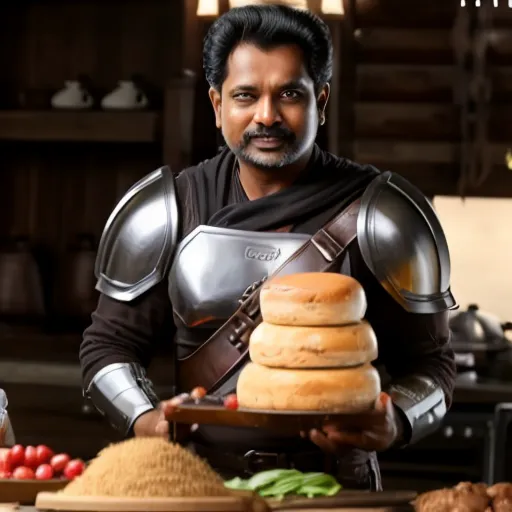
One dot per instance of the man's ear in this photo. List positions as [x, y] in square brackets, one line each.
[322, 99]
[215, 98]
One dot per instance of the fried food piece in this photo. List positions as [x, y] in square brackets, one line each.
[501, 490]
[471, 488]
[502, 504]
[463, 498]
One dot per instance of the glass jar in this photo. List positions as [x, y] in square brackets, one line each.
[6, 433]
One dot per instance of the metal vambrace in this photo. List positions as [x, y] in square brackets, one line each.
[121, 392]
[422, 405]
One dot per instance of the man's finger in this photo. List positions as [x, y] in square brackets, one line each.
[162, 429]
[357, 421]
[167, 408]
[322, 441]
[353, 439]
[383, 402]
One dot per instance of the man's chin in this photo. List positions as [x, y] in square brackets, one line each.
[268, 160]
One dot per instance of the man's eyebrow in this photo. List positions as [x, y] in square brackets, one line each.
[243, 88]
[292, 84]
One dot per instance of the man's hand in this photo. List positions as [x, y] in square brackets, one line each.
[155, 423]
[376, 430]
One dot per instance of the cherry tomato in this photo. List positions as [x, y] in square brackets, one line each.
[231, 402]
[31, 457]
[198, 393]
[44, 472]
[5, 474]
[74, 468]
[44, 454]
[23, 473]
[17, 455]
[6, 461]
[58, 462]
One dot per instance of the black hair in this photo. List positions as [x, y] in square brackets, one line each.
[268, 26]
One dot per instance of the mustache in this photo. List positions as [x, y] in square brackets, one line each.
[275, 132]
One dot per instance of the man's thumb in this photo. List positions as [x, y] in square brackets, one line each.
[383, 400]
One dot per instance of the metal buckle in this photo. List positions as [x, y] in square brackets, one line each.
[260, 461]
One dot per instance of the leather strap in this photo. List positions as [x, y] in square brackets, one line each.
[254, 461]
[214, 362]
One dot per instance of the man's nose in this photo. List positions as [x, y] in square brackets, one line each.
[267, 112]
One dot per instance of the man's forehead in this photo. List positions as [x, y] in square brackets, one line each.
[249, 63]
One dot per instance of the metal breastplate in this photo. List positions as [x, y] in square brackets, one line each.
[214, 266]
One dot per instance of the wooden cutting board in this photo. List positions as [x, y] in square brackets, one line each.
[240, 502]
[25, 491]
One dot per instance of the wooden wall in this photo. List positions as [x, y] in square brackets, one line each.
[406, 117]
[61, 173]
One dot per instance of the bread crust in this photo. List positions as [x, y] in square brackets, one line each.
[347, 390]
[281, 346]
[311, 299]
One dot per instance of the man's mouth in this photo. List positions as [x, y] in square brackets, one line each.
[267, 142]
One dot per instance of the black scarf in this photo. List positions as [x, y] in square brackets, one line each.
[328, 185]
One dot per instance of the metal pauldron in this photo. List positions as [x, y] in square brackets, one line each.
[121, 392]
[422, 403]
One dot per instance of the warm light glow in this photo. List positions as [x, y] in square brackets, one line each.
[299, 4]
[211, 7]
[332, 7]
[208, 8]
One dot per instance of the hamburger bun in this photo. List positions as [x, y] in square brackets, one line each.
[284, 346]
[347, 390]
[314, 298]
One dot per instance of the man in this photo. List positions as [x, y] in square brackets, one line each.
[169, 264]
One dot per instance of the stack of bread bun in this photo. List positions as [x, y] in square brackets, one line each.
[313, 350]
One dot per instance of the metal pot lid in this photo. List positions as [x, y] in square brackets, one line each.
[475, 326]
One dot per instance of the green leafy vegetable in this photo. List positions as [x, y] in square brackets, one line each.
[278, 483]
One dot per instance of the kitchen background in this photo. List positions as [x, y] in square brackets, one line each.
[94, 94]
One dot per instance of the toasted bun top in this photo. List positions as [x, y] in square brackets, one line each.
[313, 287]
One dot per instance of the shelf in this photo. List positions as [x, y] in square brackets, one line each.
[58, 126]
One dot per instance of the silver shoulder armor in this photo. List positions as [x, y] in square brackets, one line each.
[139, 238]
[404, 246]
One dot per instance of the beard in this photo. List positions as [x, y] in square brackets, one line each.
[272, 158]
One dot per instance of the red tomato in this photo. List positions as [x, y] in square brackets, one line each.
[6, 461]
[5, 474]
[59, 462]
[23, 473]
[231, 402]
[74, 468]
[44, 472]
[198, 393]
[17, 455]
[44, 454]
[31, 457]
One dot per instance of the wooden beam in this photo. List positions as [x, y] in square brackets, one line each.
[392, 82]
[391, 151]
[404, 45]
[346, 61]
[417, 121]
[25, 125]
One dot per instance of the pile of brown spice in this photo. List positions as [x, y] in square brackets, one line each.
[147, 468]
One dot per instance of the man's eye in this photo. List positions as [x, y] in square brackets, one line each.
[291, 95]
[242, 96]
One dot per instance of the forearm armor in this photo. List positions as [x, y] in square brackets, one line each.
[422, 404]
[121, 392]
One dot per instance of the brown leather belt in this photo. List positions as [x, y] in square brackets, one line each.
[254, 461]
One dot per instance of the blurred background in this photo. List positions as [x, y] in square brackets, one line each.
[94, 94]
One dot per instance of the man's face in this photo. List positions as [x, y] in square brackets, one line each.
[268, 111]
